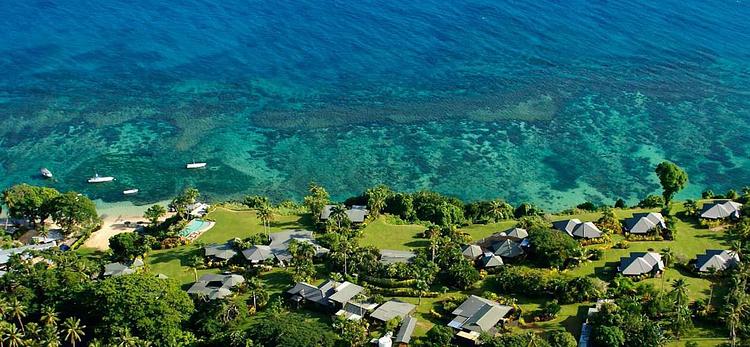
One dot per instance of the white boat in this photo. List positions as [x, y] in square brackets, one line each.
[195, 165]
[45, 172]
[130, 191]
[100, 179]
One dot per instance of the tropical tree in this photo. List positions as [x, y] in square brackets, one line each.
[433, 234]
[30, 202]
[421, 287]
[499, 210]
[672, 179]
[49, 316]
[338, 214]
[73, 330]
[316, 199]
[667, 255]
[257, 291]
[18, 310]
[376, 199]
[154, 212]
[681, 320]
[13, 337]
[265, 214]
[73, 211]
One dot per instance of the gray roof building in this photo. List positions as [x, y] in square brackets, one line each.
[344, 293]
[716, 259]
[720, 209]
[258, 253]
[642, 223]
[6, 253]
[308, 292]
[472, 252]
[280, 243]
[392, 309]
[640, 263]
[215, 286]
[507, 249]
[517, 234]
[356, 213]
[389, 256]
[478, 314]
[574, 227]
[220, 252]
[490, 260]
[117, 269]
[406, 330]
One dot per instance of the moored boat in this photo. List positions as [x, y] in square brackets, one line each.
[195, 165]
[45, 172]
[130, 191]
[100, 179]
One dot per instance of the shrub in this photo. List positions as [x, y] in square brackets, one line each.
[622, 245]
[651, 201]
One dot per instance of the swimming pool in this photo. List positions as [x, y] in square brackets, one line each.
[193, 227]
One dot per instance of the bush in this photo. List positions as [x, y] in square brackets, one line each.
[538, 283]
[552, 248]
[587, 206]
[622, 245]
[652, 201]
[596, 253]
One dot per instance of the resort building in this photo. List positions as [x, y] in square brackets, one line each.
[641, 263]
[198, 209]
[280, 244]
[472, 252]
[478, 315]
[490, 260]
[517, 234]
[721, 209]
[576, 228]
[405, 331]
[214, 286]
[220, 253]
[52, 236]
[116, 269]
[258, 254]
[5, 254]
[356, 310]
[356, 213]
[330, 294]
[643, 223]
[389, 256]
[507, 249]
[717, 260]
[392, 309]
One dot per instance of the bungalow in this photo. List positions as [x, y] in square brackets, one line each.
[643, 223]
[405, 331]
[641, 263]
[198, 209]
[258, 254]
[343, 293]
[472, 252]
[490, 260]
[220, 252]
[517, 234]
[478, 315]
[356, 213]
[215, 286]
[302, 293]
[576, 228]
[717, 260]
[116, 269]
[356, 310]
[53, 236]
[5, 254]
[280, 244]
[392, 309]
[507, 249]
[720, 209]
[389, 256]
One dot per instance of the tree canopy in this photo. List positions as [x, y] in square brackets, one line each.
[672, 179]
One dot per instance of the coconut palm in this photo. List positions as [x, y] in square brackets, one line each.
[256, 289]
[125, 339]
[433, 234]
[33, 331]
[18, 310]
[13, 337]
[49, 316]
[376, 198]
[73, 330]
[265, 213]
[338, 214]
[682, 313]
[4, 308]
[667, 255]
[499, 210]
[421, 287]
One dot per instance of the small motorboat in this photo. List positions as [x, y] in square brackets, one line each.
[100, 179]
[195, 165]
[45, 172]
[129, 191]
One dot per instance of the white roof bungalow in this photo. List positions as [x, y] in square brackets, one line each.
[477, 315]
[641, 263]
[575, 227]
[720, 209]
[716, 259]
[356, 213]
[642, 223]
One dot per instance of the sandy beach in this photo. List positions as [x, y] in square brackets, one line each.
[114, 216]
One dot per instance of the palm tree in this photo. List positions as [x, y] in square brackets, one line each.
[376, 198]
[422, 287]
[682, 314]
[125, 339]
[19, 311]
[33, 330]
[49, 316]
[433, 233]
[4, 308]
[667, 255]
[265, 213]
[73, 330]
[256, 288]
[499, 210]
[13, 337]
[338, 214]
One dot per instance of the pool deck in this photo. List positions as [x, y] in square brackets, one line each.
[207, 225]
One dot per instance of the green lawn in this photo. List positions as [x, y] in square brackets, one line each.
[231, 224]
[382, 235]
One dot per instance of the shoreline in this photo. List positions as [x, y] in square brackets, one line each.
[114, 216]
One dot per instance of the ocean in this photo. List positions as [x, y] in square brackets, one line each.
[551, 102]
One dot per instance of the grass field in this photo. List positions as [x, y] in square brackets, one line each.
[382, 235]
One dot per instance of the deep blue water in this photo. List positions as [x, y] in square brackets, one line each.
[550, 102]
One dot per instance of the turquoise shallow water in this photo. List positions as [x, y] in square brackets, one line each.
[549, 102]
